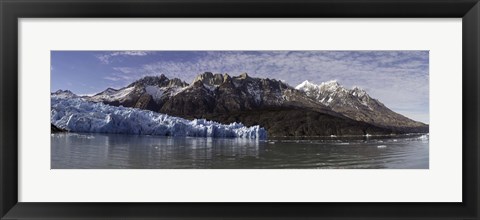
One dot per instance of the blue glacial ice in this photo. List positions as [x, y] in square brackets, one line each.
[78, 115]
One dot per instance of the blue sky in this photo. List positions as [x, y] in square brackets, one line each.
[399, 79]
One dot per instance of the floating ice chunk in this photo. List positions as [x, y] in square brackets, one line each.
[82, 116]
[424, 137]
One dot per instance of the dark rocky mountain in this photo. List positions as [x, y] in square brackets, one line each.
[64, 94]
[212, 94]
[358, 105]
[147, 93]
[272, 104]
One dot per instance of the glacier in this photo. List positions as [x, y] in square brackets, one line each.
[79, 115]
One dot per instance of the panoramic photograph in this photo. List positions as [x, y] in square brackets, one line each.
[239, 109]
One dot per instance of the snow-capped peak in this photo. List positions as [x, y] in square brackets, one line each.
[305, 84]
[358, 92]
[64, 94]
[331, 85]
[331, 92]
[110, 91]
[63, 91]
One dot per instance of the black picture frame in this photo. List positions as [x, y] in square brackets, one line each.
[12, 10]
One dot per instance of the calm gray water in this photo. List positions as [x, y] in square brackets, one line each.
[109, 151]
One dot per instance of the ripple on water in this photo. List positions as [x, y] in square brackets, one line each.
[70, 150]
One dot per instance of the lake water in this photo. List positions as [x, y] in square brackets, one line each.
[110, 151]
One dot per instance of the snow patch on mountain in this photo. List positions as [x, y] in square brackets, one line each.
[255, 92]
[78, 115]
[304, 85]
[325, 92]
[176, 90]
[155, 91]
[331, 85]
[111, 95]
[332, 92]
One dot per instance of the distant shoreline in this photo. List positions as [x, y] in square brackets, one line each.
[274, 138]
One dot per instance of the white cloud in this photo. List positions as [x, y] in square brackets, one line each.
[106, 58]
[112, 78]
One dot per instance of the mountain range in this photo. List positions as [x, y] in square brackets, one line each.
[305, 110]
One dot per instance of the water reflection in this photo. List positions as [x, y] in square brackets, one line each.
[106, 151]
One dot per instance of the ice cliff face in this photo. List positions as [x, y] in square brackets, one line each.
[78, 115]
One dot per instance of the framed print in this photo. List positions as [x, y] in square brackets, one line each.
[241, 121]
[209, 109]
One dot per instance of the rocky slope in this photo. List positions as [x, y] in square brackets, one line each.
[358, 105]
[147, 93]
[286, 121]
[211, 94]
